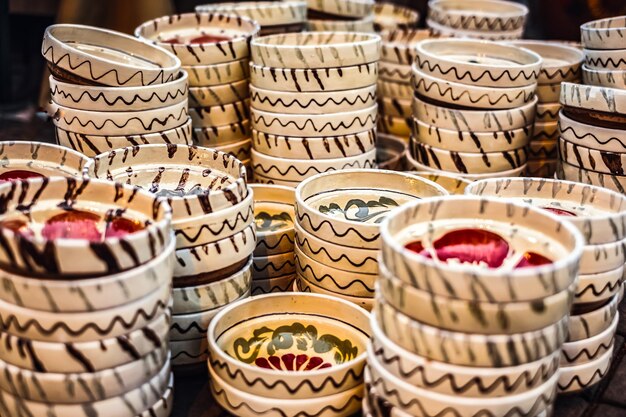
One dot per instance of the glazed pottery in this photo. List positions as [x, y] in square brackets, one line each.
[605, 59]
[541, 168]
[604, 33]
[390, 151]
[442, 30]
[560, 62]
[391, 16]
[189, 352]
[573, 173]
[398, 46]
[259, 178]
[542, 150]
[606, 78]
[89, 55]
[25, 159]
[220, 115]
[587, 325]
[365, 25]
[602, 257]
[591, 97]
[592, 159]
[346, 207]
[598, 287]
[222, 135]
[274, 218]
[268, 370]
[344, 8]
[240, 150]
[201, 38]
[480, 15]
[278, 284]
[594, 137]
[218, 95]
[413, 164]
[265, 13]
[302, 285]
[579, 377]
[451, 183]
[163, 407]
[547, 112]
[586, 350]
[216, 74]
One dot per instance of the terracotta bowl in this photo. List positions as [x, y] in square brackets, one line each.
[71, 228]
[560, 62]
[343, 8]
[604, 33]
[201, 38]
[580, 377]
[586, 325]
[272, 285]
[433, 221]
[35, 159]
[222, 135]
[274, 218]
[315, 50]
[346, 207]
[479, 15]
[274, 266]
[265, 13]
[452, 184]
[586, 350]
[94, 56]
[391, 16]
[325, 336]
[303, 285]
[364, 25]
[210, 75]
[573, 173]
[604, 78]
[398, 46]
[390, 152]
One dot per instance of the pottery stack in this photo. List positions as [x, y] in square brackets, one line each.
[102, 101]
[560, 63]
[341, 15]
[313, 104]
[338, 217]
[479, 19]
[273, 265]
[213, 49]
[600, 215]
[465, 322]
[213, 223]
[86, 273]
[474, 107]
[593, 118]
[390, 16]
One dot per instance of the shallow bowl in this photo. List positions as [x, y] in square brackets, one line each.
[266, 14]
[560, 62]
[591, 323]
[599, 287]
[587, 350]
[220, 115]
[573, 173]
[613, 59]
[479, 15]
[580, 377]
[604, 78]
[604, 33]
[40, 159]
[302, 285]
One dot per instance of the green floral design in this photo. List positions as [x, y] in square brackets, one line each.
[303, 337]
[371, 211]
[266, 222]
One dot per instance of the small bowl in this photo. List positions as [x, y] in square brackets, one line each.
[189, 352]
[604, 78]
[573, 173]
[302, 285]
[313, 103]
[177, 33]
[580, 377]
[587, 350]
[591, 97]
[390, 16]
[315, 125]
[548, 93]
[315, 50]
[395, 107]
[474, 120]
[614, 59]
[478, 63]
[390, 71]
[272, 285]
[446, 31]
[346, 207]
[222, 135]
[364, 25]
[396, 126]
[471, 96]
[478, 15]
[219, 95]
[216, 74]
[89, 55]
[313, 79]
[542, 150]
[274, 266]
[398, 46]
[589, 324]
[451, 183]
[265, 13]
[341, 327]
[594, 137]
[413, 164]
[315, 148]
[296, 170]
[41, 158]
[259, 178]
[596, 288]
[220, 115]
[342, 8]
[545, 131]
[548, 112]
[390, 151]
[402, 91]
[604, 33]
[606, 162]
[240, 150]
[602, 257]
[560, 62]
[541, 168]
[274, 218]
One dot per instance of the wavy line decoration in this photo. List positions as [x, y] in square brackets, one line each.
[474, 22]
[303, 104]
[302, 270]
[606, 63]
[305, 242]
[101, 96]
[428, 66]
[577, 380]
[266, 170]
[608, 287]
[226, 224]
[588, 353]
[258, 290]
[421, 83]
[182, 115]
[316, 228]
[271, 247]
[269, 121]
[589, 134]
[271, 265]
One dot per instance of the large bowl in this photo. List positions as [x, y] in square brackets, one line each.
[478, 15]
[40, 159]
[580, 377]
[560, 62]
[265, 13]
[604, 33]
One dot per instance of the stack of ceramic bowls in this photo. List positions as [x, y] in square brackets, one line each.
[560, 63]
[600, 215]
[605, 51]
[341, 15]
[86, 267]
[474, 107]
[272, 16]
[213, 222]
[479, 19]
[338, 217]
[592, 148]
[313, 104]
[111, 90]
[390, 16]
[465, 321]
[289, 354]
[273, 267]
[213, 49]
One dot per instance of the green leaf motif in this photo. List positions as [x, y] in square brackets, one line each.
[357, 210]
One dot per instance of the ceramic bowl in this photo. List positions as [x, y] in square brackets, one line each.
[592, 323]
[274, 266]
[604, 78]
[216, 74]
[604, 33]
[346, 207]
[605, 59]
[195, 180]
[313, 103]
[32, 159]
[470, 95]
[586, 350]
[548, 112]
[542, 150]
[446, 31]
[480, 15]
[465, 61]
[396, 107]
[560, 62]
[364, 25]
[376, 406]
[313, 79]
[413, 164]
[222, 135]
[398, 46]
[83, 387]
[594, 137]
[603, 257]
[450, 182]
[259, 178]
[299, 169]
[302, 285]
[263, 12]
[272, 285]
[118, 123]
[315, 50]
[390, 71]
[474, 120]
[213, 294]
[34, 208]
[315, 125]
[469, 349]
[470, 141]
[427, 219]
[344, 8]
[219, 95]
[314, 148]
[591, 97]
[545, 131]
[468, 162]
[599, 214]
[548, 93]
[274, 218]
[396, 126]
[101, 98]
[391, 16]
[580, 377]
[189, 352]
[390, 151]
[240, 150]
[201, 38]
[126, 405]
[268, 369]
[592, 159]
[220, 115]
[599, 287]
[89, 55]
[163, 407]
[92, 145]
[401, 90]
[424, 401]
[541, 168]
[463, 381]
[573, 173]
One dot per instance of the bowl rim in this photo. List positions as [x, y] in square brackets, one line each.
[367, 40]
[516, 8]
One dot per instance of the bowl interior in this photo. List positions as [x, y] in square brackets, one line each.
[479, 53]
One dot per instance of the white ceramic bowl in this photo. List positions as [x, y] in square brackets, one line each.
[580, 377]
[413, 164]
[604, 78]
[573, 173]
[446, 31]
[302, 285]
[263, 12]
[592, 323]
[284, 283]
[604, 33]
[223, 135]
[216, 74]
[41, 158]
[403, 91]
[479, 15]
[602, 257]
[605, 162]
[591, 97]
[274, 266]
[594, 137]
[189, 352]
[595, 288]
[587, 350]
[390, 71]
[605, 59]
[259, 178]
[560, 62]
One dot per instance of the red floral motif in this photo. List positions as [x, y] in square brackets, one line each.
[18, 174]
[532, 259]
[560, 212]
[120, 227]
[73, 225]
[292, 362]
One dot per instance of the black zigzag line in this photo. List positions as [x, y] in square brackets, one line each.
[342, 124]
[610, 287]
[306, 242]
[193, 326]
[583, 385]
[256, 96]
[101, 96]
[272, 247]
[275, 288]
[304, 268]
[605, 62]
[225, 224]
[332, 227]
[183, 114]
[357, 164]
[271, 264]
[543, 135]
[543, 114]
[478, 22]
[462, 75]
[589, 355]
[562, 74]
[588, 134]
[394, 71]
[449, 90]
[189, 355]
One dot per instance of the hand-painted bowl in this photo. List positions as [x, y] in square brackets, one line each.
[220, 115]
[446, 31]
[274, 266]
[560, 62]
[614, 59]
[586, 350]
[602, 257]
[604, 33]
[291, 355]
[591, 323]
[604, 78]
[303, 285]
[390, 16]
[216, 74]
[574, 173]
[364, 25]
[341, 9]
[223, 135]
[274, 218]
[266, 13]
[189, 353]
[413, 164]
[271, 285]
[478, 15]
[594, 98]
[594, 289]
[580, 377]
[219, 95]
[22, 160]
